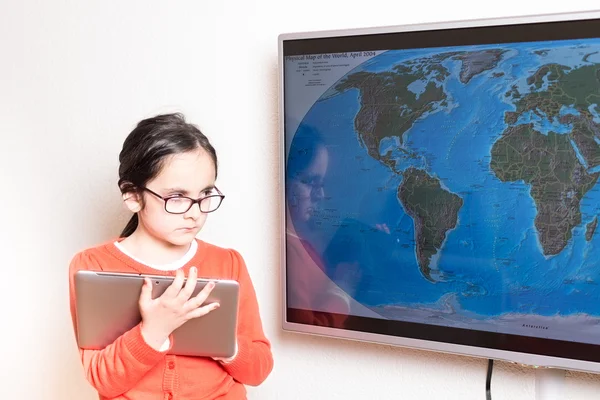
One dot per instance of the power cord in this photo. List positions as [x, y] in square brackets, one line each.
[488, 381]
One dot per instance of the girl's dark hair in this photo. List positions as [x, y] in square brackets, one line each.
[146, 148]
[304, 148]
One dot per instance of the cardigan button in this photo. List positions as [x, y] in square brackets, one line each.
[171, 365]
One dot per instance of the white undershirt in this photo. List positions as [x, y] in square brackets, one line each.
[172, 266]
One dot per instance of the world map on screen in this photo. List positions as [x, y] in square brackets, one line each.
[482, 163]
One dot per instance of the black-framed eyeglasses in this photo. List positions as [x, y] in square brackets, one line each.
[181, 204]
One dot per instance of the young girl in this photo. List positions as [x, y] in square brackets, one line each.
[167, 177]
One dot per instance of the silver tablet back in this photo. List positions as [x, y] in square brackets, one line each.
[107, 307]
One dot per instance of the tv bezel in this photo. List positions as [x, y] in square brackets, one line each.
[519, 349]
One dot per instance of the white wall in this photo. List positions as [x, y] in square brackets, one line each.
[75, 76]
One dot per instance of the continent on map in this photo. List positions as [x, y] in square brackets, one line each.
[389, 106]
[434, 211]
[566, 87]
[558, 180]
[559, 167]
[476, 62]
[590, 228]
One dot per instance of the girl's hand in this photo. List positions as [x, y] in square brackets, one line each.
[161, 316]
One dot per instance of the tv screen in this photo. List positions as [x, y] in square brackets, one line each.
[440, 187]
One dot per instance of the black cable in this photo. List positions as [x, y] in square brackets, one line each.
[488, 381]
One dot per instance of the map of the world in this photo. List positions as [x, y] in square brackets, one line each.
[482, 164]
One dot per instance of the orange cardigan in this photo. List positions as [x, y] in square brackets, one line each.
[131, 369]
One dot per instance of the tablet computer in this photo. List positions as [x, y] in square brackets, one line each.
[107, 307]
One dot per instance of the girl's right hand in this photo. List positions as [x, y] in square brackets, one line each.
[161, 316]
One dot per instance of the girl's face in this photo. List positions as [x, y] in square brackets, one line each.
[306, 191]
[190, 174]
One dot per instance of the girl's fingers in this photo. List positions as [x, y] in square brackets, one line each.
[146, 294]
[201, 297]
[190, 285]
[202, 311]
[175, 287]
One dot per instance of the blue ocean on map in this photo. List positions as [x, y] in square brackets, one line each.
[492, 262]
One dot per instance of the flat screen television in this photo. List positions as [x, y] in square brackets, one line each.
[440, 187]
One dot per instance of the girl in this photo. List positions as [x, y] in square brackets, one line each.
[167, 177]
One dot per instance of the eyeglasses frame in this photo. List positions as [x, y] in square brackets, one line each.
[193, 201]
